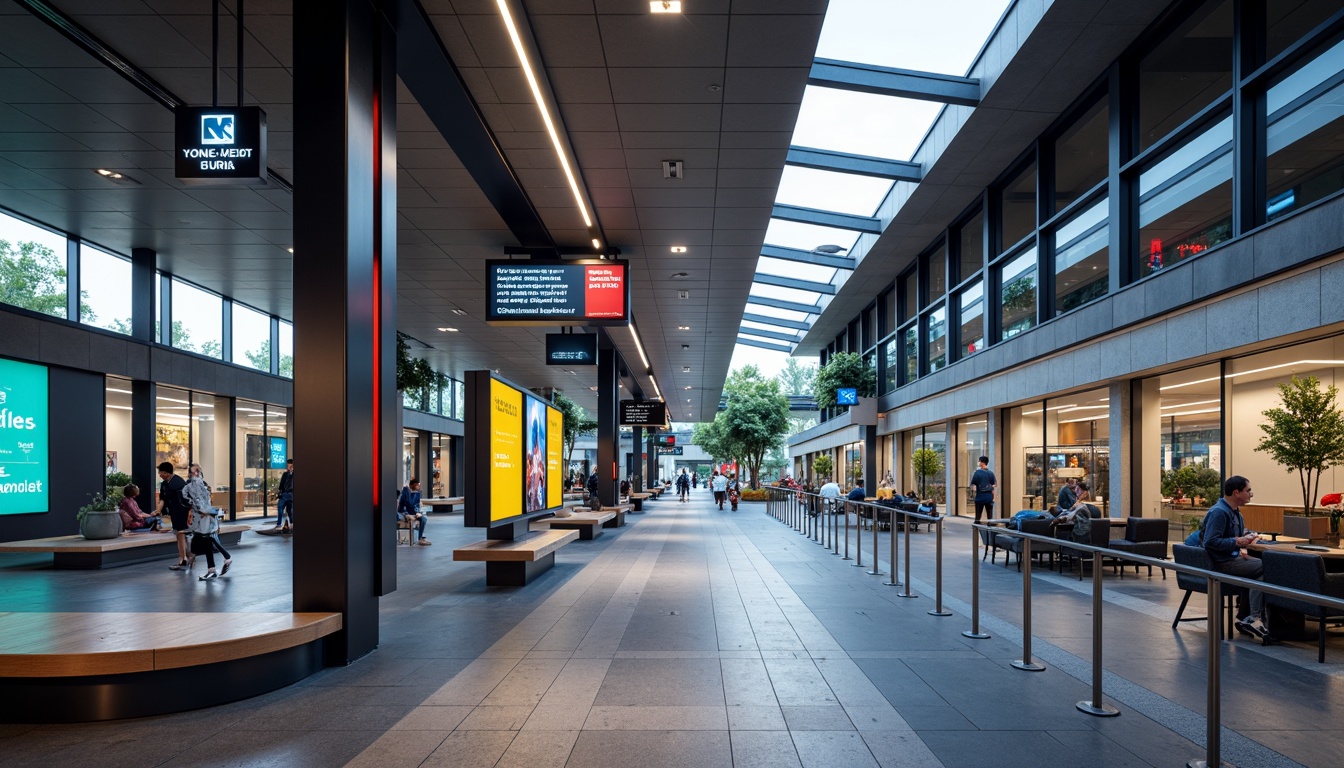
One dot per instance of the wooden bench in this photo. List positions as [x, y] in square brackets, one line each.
[91, 554]
[588, 524]
[449, 502]
[515, 562]
[637, 501]
[78, 667]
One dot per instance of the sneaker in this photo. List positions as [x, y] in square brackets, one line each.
[225, 569]
[1256, 626]
[210, 574]
[182, 566]
[425, 542]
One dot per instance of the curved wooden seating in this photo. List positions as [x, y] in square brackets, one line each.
[75, 667]
[81, 553]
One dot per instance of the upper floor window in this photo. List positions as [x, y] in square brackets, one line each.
[32, 267]
[251, 338]
[198, 320]
[104, 290]
[1017, 207]
[1187, 71]
[1081, 155]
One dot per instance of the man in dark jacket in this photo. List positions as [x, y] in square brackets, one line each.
[1224, 536]
[173, 504]
[284, 498]
[408, 508]
[593, 501]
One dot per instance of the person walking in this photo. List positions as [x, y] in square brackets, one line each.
[408, 508]
[983, 483]
[719, 484]
[284, 500]
[197, 491]
[695, 479]
[204, 532]
[734, 492]
[683, 486]
[173, 504]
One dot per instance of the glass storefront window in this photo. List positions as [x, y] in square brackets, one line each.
[251, 338]
[869, 327]
[1185, 72]
[1185, 200]
[286, 350]
[972, 443]
[198, 320]
[1081, 258]
[104, 290]
[172, 429]
[1051, 442]
[937, 339]
[278, 450]
[972, 305]
[251, 456]
[1017, 207]
[936, 268]
[1081, 155]
[1179, 423]
[459, 401]
[928, 485]
[410, 456]
[971, 246]
[440, 465]
[117, 435]
[1305, 120]
[1017, 294]
[36, 279]
[910, 352]
[210, 444]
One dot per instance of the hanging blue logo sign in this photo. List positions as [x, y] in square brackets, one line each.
[846, 396]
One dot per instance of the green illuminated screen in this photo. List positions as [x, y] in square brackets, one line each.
[23, 438]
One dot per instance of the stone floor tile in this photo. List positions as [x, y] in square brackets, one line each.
[397, 748]
[526, 683]
[539, 749]
[901, 749]
[832, 718]
[748, 718]
[509, 718]
[470, 749]
[662, 682]
[432, 718]
[764, 749]
[656, 719]
[651, 749]
[832, 749]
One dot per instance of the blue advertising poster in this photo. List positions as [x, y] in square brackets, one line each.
[279, 452]
[23, 438]
[846, 396]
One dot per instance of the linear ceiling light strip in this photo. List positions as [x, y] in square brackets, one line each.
[535, 86]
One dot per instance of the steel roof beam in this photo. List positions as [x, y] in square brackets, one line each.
[811, 309]
[889, 81]
[809, 257]
[794, 283]
[782, 323]
[764, 345]
[869, 224]
[862, 165]
[789, 337]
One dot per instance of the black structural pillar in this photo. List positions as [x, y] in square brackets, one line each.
[636, 468]
[652, 464]
[608, 433]
[344, 314]
[870, 459]
[142, 440]
[142, 294]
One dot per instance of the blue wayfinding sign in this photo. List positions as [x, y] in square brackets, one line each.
[24, 464]
[846, 396]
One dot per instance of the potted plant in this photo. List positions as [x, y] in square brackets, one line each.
[1335, 503]
[844, 369]
[99, 519]
[1306, 434]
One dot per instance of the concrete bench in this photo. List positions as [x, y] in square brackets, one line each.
[637, 500]
[515, 562]
[78, 667]
[449, 502]
[77, 552]
[588, 524]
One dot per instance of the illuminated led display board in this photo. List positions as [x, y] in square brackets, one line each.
[643, 413]
[220, 145]
[24, 466]
[514, 445]
[558, 292]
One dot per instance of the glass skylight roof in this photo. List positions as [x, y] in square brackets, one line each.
[793, 234]
[747, 325]
[785, 294]
[862, 123]
[909, 34]
[831, 191]
[785, 268]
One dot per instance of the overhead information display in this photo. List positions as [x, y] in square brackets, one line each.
[571, 349]
[643, 413]
[558, 292]
[222, 145]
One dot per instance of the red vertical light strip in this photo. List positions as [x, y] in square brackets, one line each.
[377, 284]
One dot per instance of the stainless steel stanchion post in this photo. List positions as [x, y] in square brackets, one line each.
[938, 570]
[1213, 744]
[1097, 706]
[835, 535]
[974, 632]
[846, 557]
[1025, 663]
[895, 558]
[907, 592]
[858, 537]
[877, 564]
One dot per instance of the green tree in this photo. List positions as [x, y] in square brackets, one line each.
[754, 422]
[797, 378]
[844, 369]
[1306, 434]
[925, 462]
[415, 376]
[576, 420]
[822, 466]
[34, 278]
[260, 358]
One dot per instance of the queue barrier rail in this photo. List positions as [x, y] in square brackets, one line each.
[795, 507]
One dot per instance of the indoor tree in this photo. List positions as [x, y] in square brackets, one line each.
[1305, 434]
[822, 466]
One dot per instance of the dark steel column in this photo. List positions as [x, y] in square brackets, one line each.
[142, 441]
[870, 465]
[235, 493]
[608, 434]
[344, 302]
[652, 463]
[142, 294]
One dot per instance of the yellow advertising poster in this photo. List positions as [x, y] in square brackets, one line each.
[555, 438]
[506, 451]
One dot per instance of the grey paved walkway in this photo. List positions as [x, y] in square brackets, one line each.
[698, 638]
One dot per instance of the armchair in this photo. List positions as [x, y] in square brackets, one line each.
[1146, 536]
[1196, 557]
[1306, 573]
[1012, 545]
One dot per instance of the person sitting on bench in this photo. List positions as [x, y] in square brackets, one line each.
[408, 508]
[132, 517]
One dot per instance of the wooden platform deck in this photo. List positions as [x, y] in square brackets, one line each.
[81, 553]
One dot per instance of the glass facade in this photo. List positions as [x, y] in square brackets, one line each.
[972, 333]
[198, 320]
[117, 426]
[972, 443]
[1017, 294]
[210, 444]
[104, 290]
[937, 339]
[1082, 258]
[35, 277]
[1305, 112]
[251, 338]
[1017, 208]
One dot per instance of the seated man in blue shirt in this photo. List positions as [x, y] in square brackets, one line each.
[858, 493]
[1224, 536]
[408, 508]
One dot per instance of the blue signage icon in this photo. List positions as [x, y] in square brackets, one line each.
[846, 396]
[216, 129]
[279, 452]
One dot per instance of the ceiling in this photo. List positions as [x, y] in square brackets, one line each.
[717, 88]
